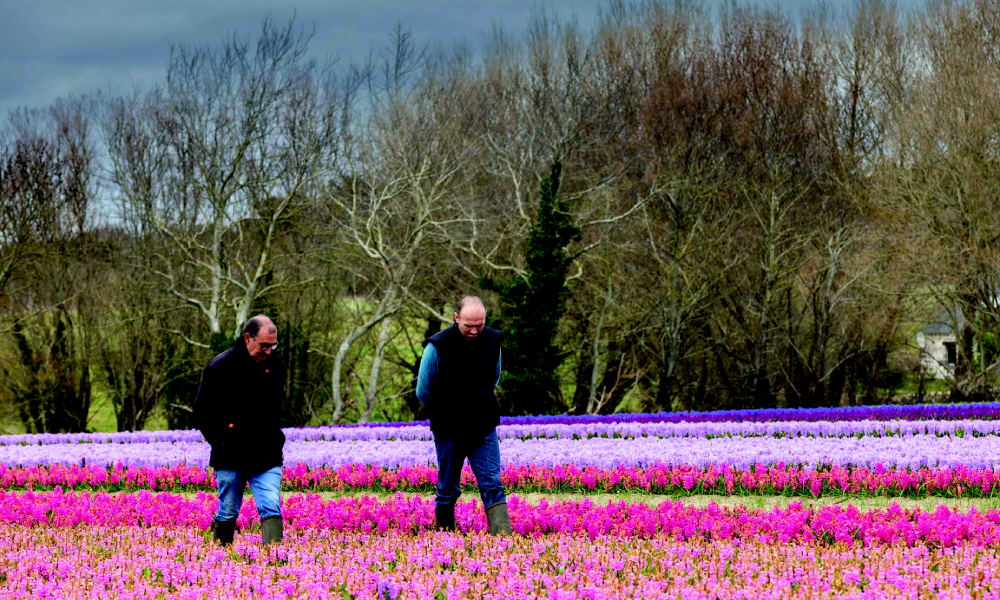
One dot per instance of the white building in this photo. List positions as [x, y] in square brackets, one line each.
[938, 343]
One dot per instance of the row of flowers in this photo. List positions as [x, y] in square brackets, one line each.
[542, 430]
[972, 410]
[915, 452]
[837, 481]
[139, 563]
[412, 514]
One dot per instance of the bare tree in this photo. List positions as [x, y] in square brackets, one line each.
[29, 204]
[946, 181]
[54, 307]
[218, 161]
[395, 200]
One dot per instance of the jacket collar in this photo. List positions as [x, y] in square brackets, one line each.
[242, 355]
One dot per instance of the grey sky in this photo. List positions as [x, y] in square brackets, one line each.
[53, 48]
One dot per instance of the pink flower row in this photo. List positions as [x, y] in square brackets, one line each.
[661, 479]
[411, 514]
[141, 563]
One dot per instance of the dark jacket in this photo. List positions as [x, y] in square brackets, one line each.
[465, 405]
[238, 410]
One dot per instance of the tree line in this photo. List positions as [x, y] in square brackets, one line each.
[685, 207]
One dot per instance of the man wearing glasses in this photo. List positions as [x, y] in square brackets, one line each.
[238, 409]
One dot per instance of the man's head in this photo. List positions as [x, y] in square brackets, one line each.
[261, 337]
[470, 314]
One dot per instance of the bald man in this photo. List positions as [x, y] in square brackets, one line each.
[459, 371]
[238, 410]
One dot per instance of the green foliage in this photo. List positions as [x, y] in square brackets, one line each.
[531, 308]
[294, 352]
[51, 379]
[221, 341]
[183, 378]
[988, 343]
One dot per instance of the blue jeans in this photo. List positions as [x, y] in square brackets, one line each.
[266, 488]
[484, 458]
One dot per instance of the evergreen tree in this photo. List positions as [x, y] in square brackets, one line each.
[183, 377]
[532, 306]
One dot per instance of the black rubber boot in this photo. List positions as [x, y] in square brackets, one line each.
[498, 519]
[272, 530]
[223, 531]
[444, 517]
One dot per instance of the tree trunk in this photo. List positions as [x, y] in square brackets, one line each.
[386, 308]
[594, 402]
[371, 395]
[416, 407]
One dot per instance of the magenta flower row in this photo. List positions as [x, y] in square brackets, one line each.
[778, 479]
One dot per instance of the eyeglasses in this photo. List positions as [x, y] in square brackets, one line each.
[264, 346]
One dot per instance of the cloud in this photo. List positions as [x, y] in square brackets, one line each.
[52, 48]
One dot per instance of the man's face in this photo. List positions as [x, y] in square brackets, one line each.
[260, 346]
[471, 321]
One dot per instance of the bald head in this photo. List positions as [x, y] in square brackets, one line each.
[470, 302]
[255, 325]
[470, 315]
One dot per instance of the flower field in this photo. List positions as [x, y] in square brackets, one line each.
[125, 515]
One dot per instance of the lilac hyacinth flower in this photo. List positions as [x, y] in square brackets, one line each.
[607, 453]
[540, 429]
